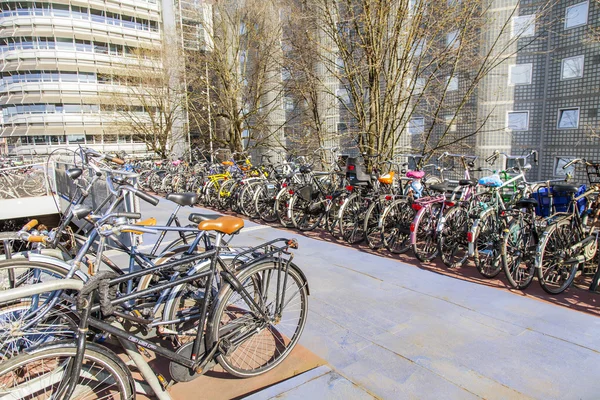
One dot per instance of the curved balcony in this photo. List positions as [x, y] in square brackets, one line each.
[68, 60]
[51, 26]
[58, 92]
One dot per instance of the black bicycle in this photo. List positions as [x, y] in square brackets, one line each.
[248, 327]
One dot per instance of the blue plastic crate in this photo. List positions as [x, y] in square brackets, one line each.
[561, 201]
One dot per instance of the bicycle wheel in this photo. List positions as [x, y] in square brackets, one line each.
[225, 194]
[371, 224]
[395, 226]
[425, 245]
[304, 214]
[264, 204]
[352, 219]
[211, 193]
[452, 240]
[250, 344]
[282, 203]
[31, 321]
[487, 255]
[518, 249]
[246, 199]
[554, 274]
[38, 375]
[332, 215]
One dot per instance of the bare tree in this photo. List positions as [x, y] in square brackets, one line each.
[397, 59]
[244, 75]
[150, 101]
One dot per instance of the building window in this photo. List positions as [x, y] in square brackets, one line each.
[576, 15]
[288, 104]
[76, 139]
[520, 74]
[343, 96]
[523, 26]
[517, 120]
[452, 40]
[559, 163]
[572, 67]
[568, 118]
[450, 121]
[416, 126]
[451, 83]
[419, 47]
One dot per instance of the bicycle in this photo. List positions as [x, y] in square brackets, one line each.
[247, 315]
[571, 240]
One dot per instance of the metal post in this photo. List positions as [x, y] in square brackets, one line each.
[210, 133]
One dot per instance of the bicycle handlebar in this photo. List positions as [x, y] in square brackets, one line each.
[30, 225]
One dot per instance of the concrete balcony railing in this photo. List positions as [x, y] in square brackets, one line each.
[68, 60]
[69, 27]
[58, 92]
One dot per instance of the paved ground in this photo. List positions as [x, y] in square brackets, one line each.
[390, 330]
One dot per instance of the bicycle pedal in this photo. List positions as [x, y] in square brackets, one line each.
[163, 382]
[145, 353]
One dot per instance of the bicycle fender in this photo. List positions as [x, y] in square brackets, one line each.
[58, 263]
[475, 231]
[416, 220]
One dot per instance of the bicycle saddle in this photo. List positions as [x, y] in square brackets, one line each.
[467, 182]
[227, 225]
[491, 181]
[415, 174]
[526, 203]
[183, 199]
[197, 217]
[565, 188]
[439, 187]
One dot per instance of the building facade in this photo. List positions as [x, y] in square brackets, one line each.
[546, 96]
[56, 60]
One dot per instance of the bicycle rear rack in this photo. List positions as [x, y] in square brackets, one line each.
[267, 249]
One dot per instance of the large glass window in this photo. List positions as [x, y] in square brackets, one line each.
[450, 121]
[452, 40]
[517, 120]
[523, 26]
[576, 15]
[520, 74]
[61, 10]
[451, 83]
[416, 126]
[76, 139]
[568, 118]
[572, 67]
[559, 163]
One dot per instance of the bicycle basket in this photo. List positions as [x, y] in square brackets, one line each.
[561, 201]
[306, 193]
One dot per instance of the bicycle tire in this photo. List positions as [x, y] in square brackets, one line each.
[55, 323]
[264, 205]
[555, 240]
[452, 240]
[395, 226]
[259, 280]
[352, 219]
[518, 249]
[487, 240]
[371, 224]
[425, 237]
[46, 365]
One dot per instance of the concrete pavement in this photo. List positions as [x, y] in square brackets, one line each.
[390, 330]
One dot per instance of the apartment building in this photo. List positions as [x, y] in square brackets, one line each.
[546, 97]
[56, 61]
